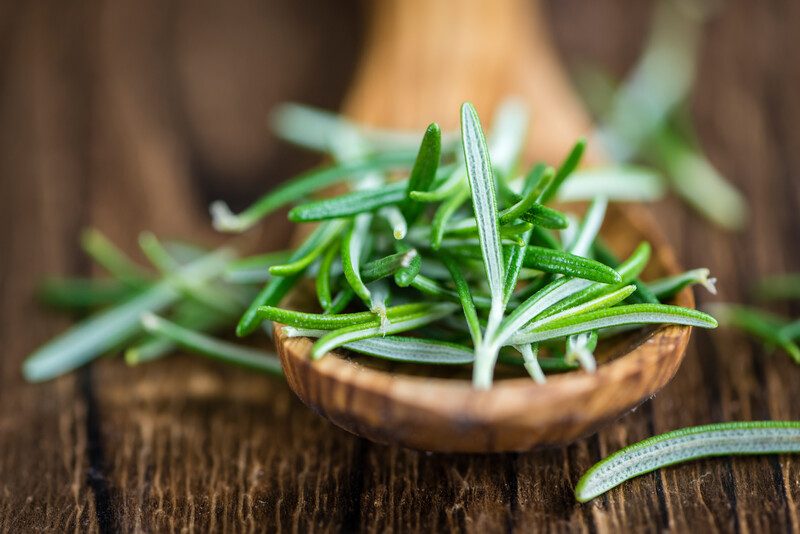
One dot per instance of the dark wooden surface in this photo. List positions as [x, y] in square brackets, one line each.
[132, 115]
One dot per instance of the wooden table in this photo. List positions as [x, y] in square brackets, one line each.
[133, 115]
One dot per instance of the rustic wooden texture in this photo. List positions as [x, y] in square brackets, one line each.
[186, 445]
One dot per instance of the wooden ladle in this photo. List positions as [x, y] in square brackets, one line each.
[423, 59]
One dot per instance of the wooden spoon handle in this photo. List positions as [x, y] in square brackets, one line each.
[423, 58]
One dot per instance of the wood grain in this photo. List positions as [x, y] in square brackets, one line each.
[185, 445]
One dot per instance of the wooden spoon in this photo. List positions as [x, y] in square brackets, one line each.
[423, 59]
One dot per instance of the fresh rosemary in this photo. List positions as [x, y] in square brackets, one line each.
[720, 439]
[434, 241]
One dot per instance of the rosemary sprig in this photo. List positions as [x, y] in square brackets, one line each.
[108, 329]
[400, 252]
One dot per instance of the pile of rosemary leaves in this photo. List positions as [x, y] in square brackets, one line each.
[442, 252]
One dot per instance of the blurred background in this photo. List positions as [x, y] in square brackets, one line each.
[134, 115]
[134, 99]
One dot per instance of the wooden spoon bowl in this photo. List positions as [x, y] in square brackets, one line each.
[422, 60]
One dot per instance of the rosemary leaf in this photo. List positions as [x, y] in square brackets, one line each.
[618, 183]
[618, 316]
[254, 269]
[465, 297]
[349, 204]
[112, 259]
[323, 280]
[790, 331]
[758, 323]
[686, 444]
[530, 355]
[91, 338]
[403, 323]
[589, 228]
[580, 348]
[424, 171]
[409, 266]
[643, 294]
[187, 314]
[779, 287]
[316, 245]
[396, 221]
[570, 164]
[556, 261]
[278, 287]
[536, 304]
[666, 288]
[444, 213]
[213, 348]
[81, 294]
[320, 321]
[455, 178]
[412, 350]
[353, 245]
[302, 186]
[603, 301]
[484, 204]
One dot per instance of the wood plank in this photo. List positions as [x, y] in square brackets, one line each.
[190, 444]
[46, 456]
[184, 443]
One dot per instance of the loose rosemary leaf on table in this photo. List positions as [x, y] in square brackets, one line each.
[686, 444]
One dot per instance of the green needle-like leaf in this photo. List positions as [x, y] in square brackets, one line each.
[316, 246]
[93, 337]
[570, 164]
[484, 205]
[321, 321]
[303, 186]
[686, 444]
[424, 171]
[278, 287]
[666, 288]
[618, 316]
[213, 348]
[465, 296]
[353, 244]
[349, 204]
[348, 334]
[556, 261]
